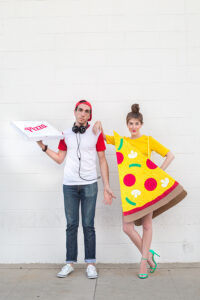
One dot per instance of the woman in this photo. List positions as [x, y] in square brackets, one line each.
[145, 144]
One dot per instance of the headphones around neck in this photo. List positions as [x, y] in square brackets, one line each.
[81, 129]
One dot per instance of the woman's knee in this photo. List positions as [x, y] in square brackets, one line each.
[147, 225]
[147, 222]
[127, 227]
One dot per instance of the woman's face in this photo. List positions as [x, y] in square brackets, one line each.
[134, 126]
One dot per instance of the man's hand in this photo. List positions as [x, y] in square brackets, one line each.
[41, 145]
[97, 127]
[108, 195]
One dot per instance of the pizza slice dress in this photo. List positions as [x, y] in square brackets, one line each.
[144, 186]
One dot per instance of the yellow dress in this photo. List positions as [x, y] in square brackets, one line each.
[144, 186]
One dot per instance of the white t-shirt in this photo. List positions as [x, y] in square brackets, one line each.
[84, 146]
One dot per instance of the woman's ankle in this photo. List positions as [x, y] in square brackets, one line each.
[150, 261]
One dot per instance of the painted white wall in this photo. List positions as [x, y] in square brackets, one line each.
[113, 53]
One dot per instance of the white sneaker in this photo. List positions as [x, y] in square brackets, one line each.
[91, 272]
[66, 270]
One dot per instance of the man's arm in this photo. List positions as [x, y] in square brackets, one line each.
[58, 157]
[108, 194]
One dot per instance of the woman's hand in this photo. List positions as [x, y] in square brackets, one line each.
[97, 127]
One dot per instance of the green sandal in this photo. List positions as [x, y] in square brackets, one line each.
[143, 275]
[154, 253]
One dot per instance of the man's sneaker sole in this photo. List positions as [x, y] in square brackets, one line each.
[62, 276]
[92, 277]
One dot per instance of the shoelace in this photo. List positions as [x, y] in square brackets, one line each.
[91, 268]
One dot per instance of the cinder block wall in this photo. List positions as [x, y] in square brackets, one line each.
[113, 53]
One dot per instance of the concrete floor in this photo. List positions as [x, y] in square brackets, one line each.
[115, 281]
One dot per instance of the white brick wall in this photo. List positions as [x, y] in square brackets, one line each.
[113, 53]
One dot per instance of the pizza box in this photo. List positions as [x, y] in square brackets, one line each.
[36, 130]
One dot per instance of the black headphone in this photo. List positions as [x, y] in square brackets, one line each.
[81, 129]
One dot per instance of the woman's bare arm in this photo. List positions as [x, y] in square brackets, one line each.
[98, 127]
[169, 157]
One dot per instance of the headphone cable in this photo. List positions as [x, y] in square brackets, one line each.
[78, 152]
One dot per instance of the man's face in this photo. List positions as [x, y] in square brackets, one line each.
[82, 114]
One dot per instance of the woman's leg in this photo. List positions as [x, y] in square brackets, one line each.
[129, 229]
[146, 241]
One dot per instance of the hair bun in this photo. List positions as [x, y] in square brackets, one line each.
[135, 108]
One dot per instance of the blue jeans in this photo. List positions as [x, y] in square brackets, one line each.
[73, 196]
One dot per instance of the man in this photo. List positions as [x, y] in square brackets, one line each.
[80, 146]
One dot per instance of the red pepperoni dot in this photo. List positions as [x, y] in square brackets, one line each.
[151, 164]
[129, 180]
[120, 157]
[150, 184]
